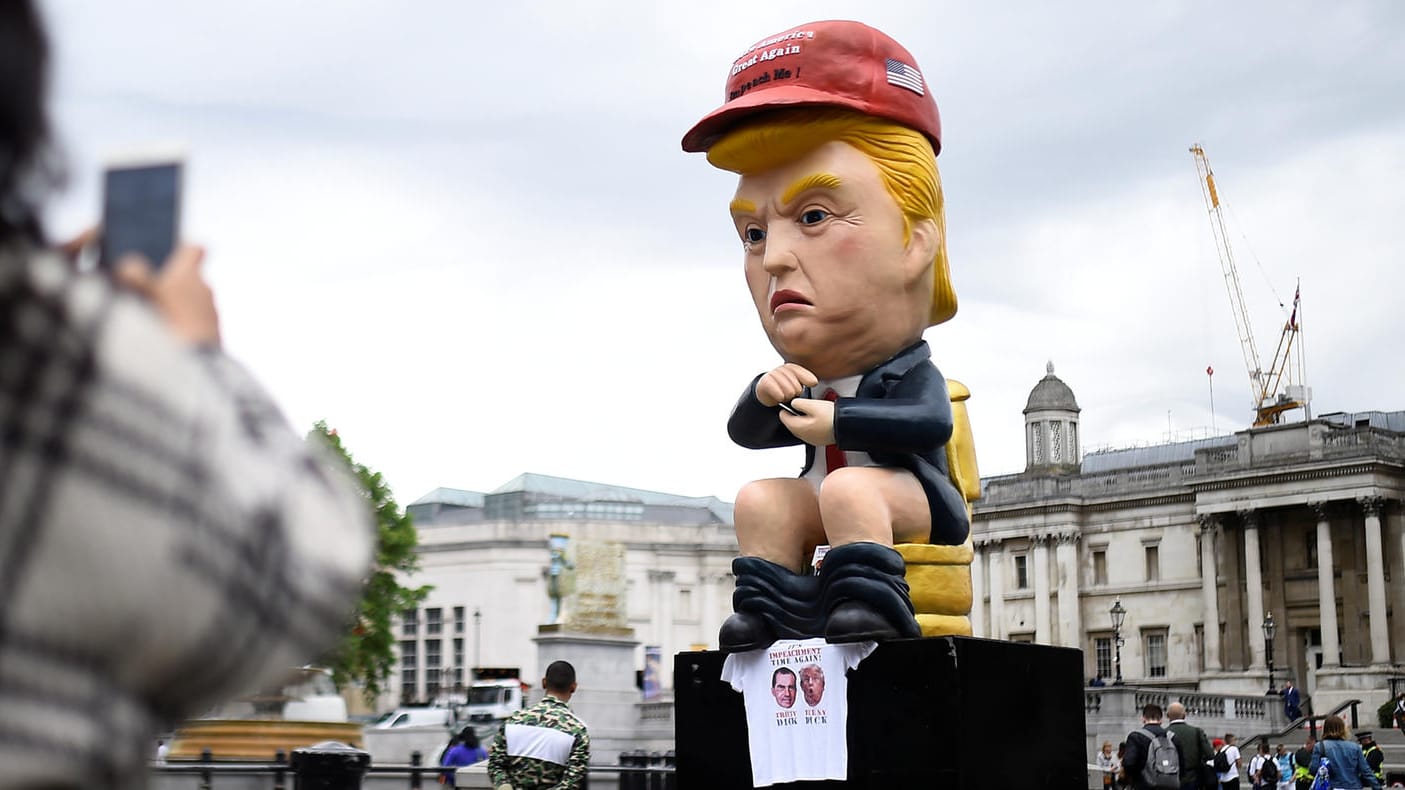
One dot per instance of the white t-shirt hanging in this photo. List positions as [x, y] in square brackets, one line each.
[796, 694]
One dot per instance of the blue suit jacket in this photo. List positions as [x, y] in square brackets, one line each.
[900, 415]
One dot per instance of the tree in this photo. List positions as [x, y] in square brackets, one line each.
[366, 653]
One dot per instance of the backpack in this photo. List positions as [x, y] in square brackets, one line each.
[1163, 762]
[1221, 762]
[1268, 772]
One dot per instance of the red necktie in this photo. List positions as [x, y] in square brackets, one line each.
[833, 456]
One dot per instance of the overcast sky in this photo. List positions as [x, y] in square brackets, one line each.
[466, 236]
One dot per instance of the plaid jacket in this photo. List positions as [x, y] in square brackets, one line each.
[540, 748]
[165, 539]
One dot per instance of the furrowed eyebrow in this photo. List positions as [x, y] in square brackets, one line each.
[812, 181]
[741, 206]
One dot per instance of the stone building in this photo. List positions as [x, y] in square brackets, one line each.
[1201, 541]
[487, 557]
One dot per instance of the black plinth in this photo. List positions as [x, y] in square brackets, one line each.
[945, 712]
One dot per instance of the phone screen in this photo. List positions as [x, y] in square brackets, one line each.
[141, 212]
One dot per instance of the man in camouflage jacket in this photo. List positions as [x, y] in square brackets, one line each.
[544, 746]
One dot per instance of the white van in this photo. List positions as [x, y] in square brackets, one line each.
[415, 717]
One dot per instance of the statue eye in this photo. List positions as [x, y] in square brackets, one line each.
[813, 216]
[753, 235]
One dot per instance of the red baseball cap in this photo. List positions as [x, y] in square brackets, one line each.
[836, 63]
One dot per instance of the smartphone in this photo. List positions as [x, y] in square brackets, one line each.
[140, 208]
[789, 408]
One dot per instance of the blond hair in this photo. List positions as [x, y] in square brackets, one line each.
[903, 156]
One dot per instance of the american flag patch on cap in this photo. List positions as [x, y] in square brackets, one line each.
[904, 76]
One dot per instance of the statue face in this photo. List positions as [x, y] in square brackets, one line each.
[836, 287]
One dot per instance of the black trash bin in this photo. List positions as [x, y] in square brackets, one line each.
[330, 765]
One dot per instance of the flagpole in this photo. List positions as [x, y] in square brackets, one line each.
[1210, 374]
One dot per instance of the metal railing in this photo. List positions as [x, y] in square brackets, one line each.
[637, 770]
[1311, 721]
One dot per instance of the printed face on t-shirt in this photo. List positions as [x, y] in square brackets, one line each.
[812, 684]
[783, 687]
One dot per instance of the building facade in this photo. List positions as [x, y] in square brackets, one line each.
[1201, 542]
[487, 558]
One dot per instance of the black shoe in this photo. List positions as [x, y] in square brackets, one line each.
[744, 631]
[853, 621]
[863, 590]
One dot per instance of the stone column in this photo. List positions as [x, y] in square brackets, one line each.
[1042, 630]
[1375, 580]
[1254, 585]
[1210, 592]
[978, 627]
[1070, 619]
[1326, 587]
[664, 596]
[708, 624]
[996, 582]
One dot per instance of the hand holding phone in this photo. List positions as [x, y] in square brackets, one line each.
[141, 209]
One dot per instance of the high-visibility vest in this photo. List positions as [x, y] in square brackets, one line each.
[1380, 772]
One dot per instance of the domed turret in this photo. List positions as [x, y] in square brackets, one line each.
[1051, 425]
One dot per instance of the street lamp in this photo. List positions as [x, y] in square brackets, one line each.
[1270, 628]
[1119, 614]
[477, 639]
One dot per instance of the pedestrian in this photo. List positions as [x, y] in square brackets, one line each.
[1284, 758]
[1109, 765]
[1196, 772]
[1400, 712]
[1302, 777]
[546, 745]
[1263, 771]
[463, 750]
[1347, 768]
[166, 539]
[1292, 701]
[1154, 757]
[1228, 769]
[1375, 758]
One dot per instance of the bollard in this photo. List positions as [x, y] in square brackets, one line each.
[655, 775]
[206, 757]
[416, 760]
[280, 773]
[329, 765]
[630, 780]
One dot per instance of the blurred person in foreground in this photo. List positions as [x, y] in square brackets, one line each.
[166, 541]
[1346, 764]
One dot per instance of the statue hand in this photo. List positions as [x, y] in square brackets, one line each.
[815, 423]
[783, 384]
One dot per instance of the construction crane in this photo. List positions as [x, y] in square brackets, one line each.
[1269, 402]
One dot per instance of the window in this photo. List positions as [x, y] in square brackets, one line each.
[685, 604]
[1200, 647]
[1310, 547]
[1036, 442]
[458, 663]
[458, 619]
[1021, 572]
[1153, 563]
[1056, 442]
[432, 664]
[1099, 566]
[409, 622]
[433, 620]
[1102, 657]
[1154, 644]
[1027, 638]
[409, 671]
